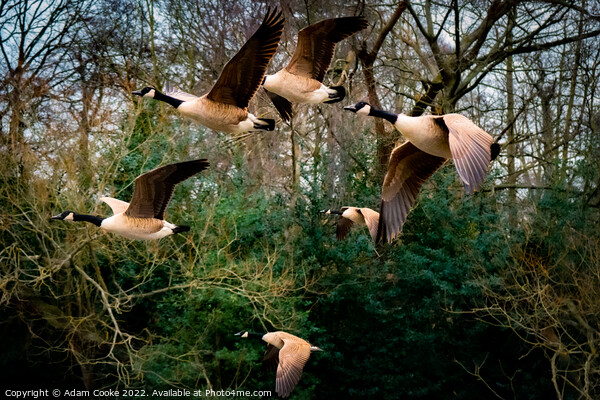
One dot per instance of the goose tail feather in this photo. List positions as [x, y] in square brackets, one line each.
[336, 94]
[181, 229]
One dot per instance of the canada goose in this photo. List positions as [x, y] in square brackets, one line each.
[224, 108]
[431, 140]
[289, 352]
[351, 215]
[142, 219]
[301, 80]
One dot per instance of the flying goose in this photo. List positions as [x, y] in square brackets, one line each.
[289, 352]
[301, 80]
[225, 107]
[142, 219]
[351, 215]
[431, 140]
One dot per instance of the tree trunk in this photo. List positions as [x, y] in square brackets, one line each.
[385, 141]
[510, 118]
[572, 90]
[83, 157]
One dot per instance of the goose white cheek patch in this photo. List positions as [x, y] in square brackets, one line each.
[365, 110]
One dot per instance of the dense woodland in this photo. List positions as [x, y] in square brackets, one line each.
[494, 295]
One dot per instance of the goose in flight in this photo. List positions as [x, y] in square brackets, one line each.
[142, 219]
[354, 215]
[431, 141]
[289, 352]
[301, 81]
[225, 107]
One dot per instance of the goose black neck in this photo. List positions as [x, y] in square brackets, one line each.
[167, 99]
[256, 335]
[336, 212]
[384, 114]
[88, 218]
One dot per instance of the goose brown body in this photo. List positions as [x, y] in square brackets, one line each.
[295, 88]
[355, 215]
[133, 227]
[217, 116]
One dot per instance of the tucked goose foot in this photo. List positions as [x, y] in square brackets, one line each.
[264, 124]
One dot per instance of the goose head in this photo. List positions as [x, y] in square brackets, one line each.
[362, 107]
[148, 91]
[65, 216]
[243, 334]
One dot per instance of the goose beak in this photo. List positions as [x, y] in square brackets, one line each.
[137, 93]
[239, 333]
[324, 211]
[350, 108]
[57, 217]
